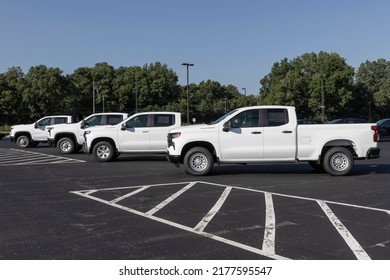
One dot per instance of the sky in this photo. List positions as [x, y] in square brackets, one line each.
[232, 42]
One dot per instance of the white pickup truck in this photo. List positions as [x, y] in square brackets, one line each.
[271, 134]
[30, 135]
[140, 133]
[69, 138]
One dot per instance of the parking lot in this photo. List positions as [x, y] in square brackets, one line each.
[142, 207]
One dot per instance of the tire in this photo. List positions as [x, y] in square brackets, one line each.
[198, 161]
[103, 151]
[66, 145]
[23, 141]
[338, 161]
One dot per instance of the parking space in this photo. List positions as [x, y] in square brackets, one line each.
[252, 220]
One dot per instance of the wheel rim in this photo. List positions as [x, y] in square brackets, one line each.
[198, 162]
[65, 146]
[339, 162]
[23, 142]
[103, 152]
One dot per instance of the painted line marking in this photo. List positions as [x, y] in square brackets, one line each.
[169, 199]
[269, 230]
[22, 157]
[344, 232]
[268, 248]
[210, 215]
[116, 200]
[183, 227]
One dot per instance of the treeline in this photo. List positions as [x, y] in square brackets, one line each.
[312, 82]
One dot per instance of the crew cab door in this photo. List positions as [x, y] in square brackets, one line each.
[133, 135]
[279, 134]
[242, 137]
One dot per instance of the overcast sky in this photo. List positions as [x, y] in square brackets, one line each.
[232, 42]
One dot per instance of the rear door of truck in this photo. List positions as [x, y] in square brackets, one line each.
[279, 134]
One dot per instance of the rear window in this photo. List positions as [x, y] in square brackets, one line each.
[60, 120]
[277, 117]
[161, 120]
[114, 119]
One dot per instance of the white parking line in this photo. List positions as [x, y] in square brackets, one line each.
[169, 199]
[182, 227]
[22, 157]
[268, 246]
[209, 216]
[269, 230]
[344, 232]
[116, 200]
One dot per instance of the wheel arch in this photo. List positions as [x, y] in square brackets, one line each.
[348, 144]
[207, 145]
[100, 139]
[66, 134]
[20, 133]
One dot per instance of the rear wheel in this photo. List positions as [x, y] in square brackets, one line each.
[198, 161]
[338, 161]
[104, 151]
[66, 145]
[23, 141]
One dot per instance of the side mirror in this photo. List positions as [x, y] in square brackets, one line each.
[226, 127]
[36, 125]
[123, 126]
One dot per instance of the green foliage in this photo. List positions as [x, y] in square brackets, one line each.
[299, 82]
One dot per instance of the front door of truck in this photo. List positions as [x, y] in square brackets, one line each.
[241, 137]
[133, 135]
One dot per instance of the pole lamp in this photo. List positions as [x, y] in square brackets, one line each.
[188, 90]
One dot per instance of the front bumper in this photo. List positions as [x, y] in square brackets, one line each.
[173, 159]
[51, 142]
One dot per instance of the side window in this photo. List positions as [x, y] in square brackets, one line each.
[248, 118]
[163, 120]
[276, 117]
[95, 120]
[114, 119]
[60, 120]
[138, 121]
[44, 122]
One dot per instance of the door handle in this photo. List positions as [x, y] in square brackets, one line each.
[145, 131]
[286, 131]
[256, 132]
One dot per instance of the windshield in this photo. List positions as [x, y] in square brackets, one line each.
[224, 116]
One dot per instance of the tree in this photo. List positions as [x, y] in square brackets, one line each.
[43, 91]
[11, 106]
[373, 79]
[301, 82]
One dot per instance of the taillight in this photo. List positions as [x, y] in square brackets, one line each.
[375, 136]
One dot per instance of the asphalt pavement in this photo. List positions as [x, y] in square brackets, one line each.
[56, 206]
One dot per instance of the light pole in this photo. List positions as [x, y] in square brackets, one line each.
[188, 90]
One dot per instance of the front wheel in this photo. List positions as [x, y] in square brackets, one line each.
[23, 141]
[198, 161]
[104, 151]
[338, 161]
